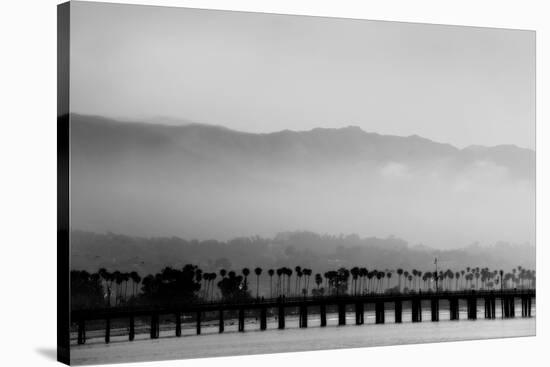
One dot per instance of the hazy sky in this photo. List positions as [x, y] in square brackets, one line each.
[261, 73]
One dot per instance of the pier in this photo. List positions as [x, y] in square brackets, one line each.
[260, 308]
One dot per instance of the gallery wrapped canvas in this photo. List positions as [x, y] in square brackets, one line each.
[236, 183]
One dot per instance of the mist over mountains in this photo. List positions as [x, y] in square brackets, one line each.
[210, 182]
[92, 251]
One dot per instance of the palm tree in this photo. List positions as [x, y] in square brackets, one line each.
[318, 280]
[354, 276]
[223, 272]
[106, 276]
[378, 278]
[370, 275]
[279, 274]
[270, 272]
[288, 274]
[258, 272]
[298, 270]
[363, 272]
[399, 274]
[307, 274]
[212, 279]
[299, 275]
[136, 279]
[118, 281]
[125, 278]
[246, 272]
[206, 278]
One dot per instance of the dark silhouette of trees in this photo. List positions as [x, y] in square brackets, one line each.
[233, 288]
[298, 270]
[363, 272]
[399, 273]
[354, 277]
[136, 279]
[318, 280]
[338, 281]
[125, 279]
[107, 279]
[208, 292]
[258, 272]
[86, 290]
[270, 272]
[279, 275]
[118, 281]
[307, 274]
[192, 284]
[288, 273]
[173, 285]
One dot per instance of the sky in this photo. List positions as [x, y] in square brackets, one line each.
[263, 72]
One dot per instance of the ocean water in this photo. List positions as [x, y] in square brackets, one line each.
[293, 339]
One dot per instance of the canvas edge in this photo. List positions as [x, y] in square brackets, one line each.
[63, 247]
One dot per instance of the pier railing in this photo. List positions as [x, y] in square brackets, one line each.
[342, 302]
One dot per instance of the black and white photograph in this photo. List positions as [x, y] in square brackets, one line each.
[248, 183]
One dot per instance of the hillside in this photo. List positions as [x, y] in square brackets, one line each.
[202, 181]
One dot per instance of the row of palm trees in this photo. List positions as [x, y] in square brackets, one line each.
[355, 281]
[119, 281]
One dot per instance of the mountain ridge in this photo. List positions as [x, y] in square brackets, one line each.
[319, 146]
[354, 128]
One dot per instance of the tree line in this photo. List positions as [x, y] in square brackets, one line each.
[192, 284]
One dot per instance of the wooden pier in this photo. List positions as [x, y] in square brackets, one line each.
[260, 308]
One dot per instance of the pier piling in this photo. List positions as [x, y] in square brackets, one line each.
[453, 308]
[241, 319]
[154, 332]
[303, 316]
[472, 308]
[107, 330]
[81, 332]
[359, 313]
[263, 318]
[132, 332]
[398, 311]
[490, 308]
[221, 324]
[434, 303]
[281, 317]
[323, 311]
[526, 306]
[509, 307]
[379, 311]
[416, 310]
[178, 324]
[341, 313]
[199, 316]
